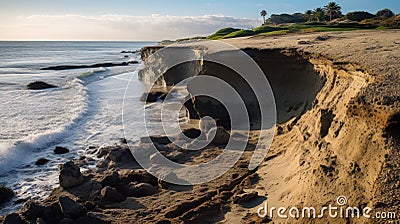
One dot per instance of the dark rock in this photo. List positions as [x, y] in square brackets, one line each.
[67, 221]
[221, 136]
[110, 195]
[112, 180]
[139, 176]
[5, 194]
[52, 213]
[245, 197]
[33, 210]
[123, 141]
[70, 175]
[38, 85]
[41, 162]
[14, 218]
[192, 133]
[153, 96]
[70, 208]
[60, 150]
[142, 190]
[99, 65]
[90, 205]
[89, 219]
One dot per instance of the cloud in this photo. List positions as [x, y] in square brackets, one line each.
[118, 27]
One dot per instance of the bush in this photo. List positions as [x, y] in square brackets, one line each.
[286, 18]
[359, 16]
[240, 33]
[222, 32]
[385, 13]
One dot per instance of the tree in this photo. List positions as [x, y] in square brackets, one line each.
[385, 13]
[263, 13]
[309, 15]
[319, 14]
[359, 16]
[332, 9]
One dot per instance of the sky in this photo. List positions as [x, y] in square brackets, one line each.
[152, 20]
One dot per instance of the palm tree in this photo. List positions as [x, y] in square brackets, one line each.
[263, 14]
[319, 14]
[332, 9]
[309, 15]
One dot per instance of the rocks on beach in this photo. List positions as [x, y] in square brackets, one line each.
[41, 162]
[153, 96]
[61, 150]
[38, 85]
[70, 175]
[5, 194]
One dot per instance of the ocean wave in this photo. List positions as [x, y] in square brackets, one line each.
[14, 154]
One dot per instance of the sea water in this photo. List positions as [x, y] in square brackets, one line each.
[85, 110]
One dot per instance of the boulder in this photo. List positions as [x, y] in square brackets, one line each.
[153, 96]
[70, 208]
[245, 197]
[14, 218]
[61, 150]
[221, 136]
[143, 190]
[5, 194]
[52, 213]
[70, 175]
[112, 180]
[41, 162]
[110, 195]
[38, 85]
[32, 210]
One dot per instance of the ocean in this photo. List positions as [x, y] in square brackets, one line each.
[85, 110]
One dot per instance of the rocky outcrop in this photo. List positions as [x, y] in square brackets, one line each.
[60, 150]
[99, 65]
[5, 194]
[38, 85]
[70, 175]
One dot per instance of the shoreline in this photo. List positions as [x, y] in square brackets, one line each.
[342, 145]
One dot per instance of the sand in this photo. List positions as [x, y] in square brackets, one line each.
[340, 140]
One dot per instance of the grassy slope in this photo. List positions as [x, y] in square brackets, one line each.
[278, 30]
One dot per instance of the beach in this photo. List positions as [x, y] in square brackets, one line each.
[336, 134]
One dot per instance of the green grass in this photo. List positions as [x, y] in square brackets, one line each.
[280, 30]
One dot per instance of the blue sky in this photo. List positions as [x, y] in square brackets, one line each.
[20, 19]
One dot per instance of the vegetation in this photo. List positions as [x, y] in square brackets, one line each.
[385, 13]
[359, 16]
[321, 19]
[333, 10]
[263, 14]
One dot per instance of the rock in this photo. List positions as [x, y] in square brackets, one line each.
[70, 175]
[67, 221]
[143, 190]
[14, 218]
[221, 136]
[192, 133]
[153, 96]
[33, 210]
[123, 141]
[60, 150]
[90, 205]
[71, 209]
[112, 180]
[41, 162]
[99, 65]
[245, 197]
[5, 194]
[52, 213]
[110, 195]
[38, 85]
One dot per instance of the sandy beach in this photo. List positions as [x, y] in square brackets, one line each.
[337, 134]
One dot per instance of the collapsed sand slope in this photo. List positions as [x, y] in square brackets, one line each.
[338, 146]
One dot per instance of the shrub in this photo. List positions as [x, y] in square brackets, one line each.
[286, 18]
[359, 16]
[385, 13]
[222, 32]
